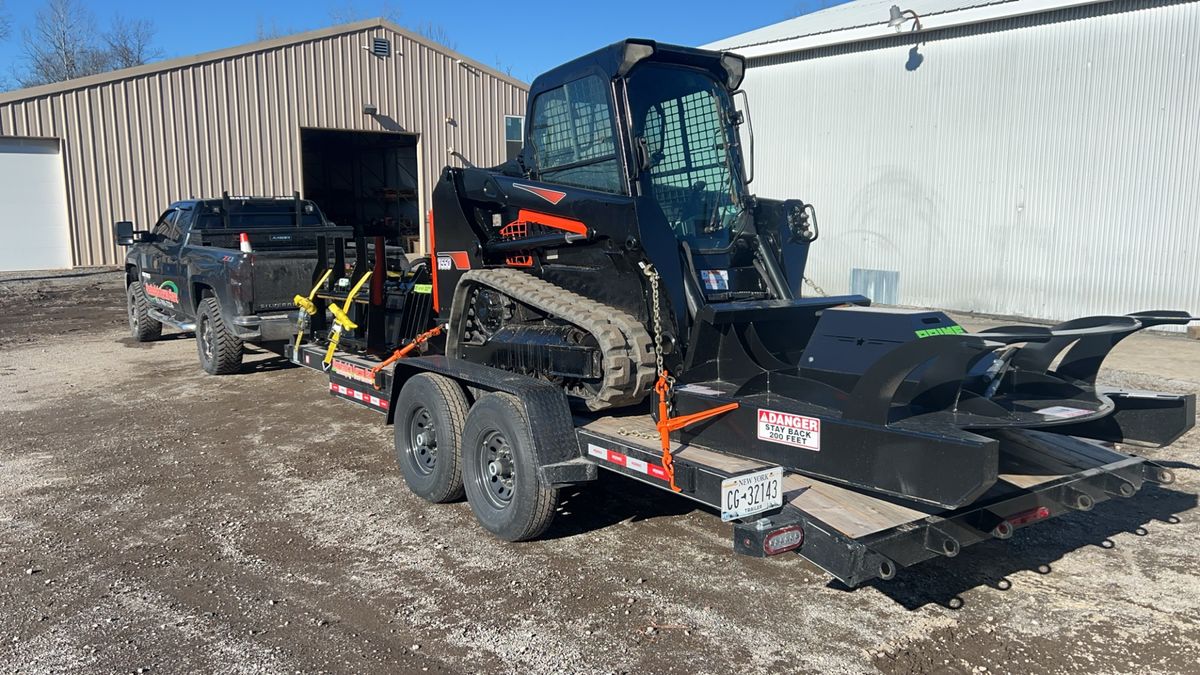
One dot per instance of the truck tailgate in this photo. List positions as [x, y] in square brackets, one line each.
[277, 276]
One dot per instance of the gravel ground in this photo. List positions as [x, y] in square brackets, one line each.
[155, 519]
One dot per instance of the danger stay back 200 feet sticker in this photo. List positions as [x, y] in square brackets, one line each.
[794, 430]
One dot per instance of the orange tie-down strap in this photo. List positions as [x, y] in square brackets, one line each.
[667, 424]
[406, 349]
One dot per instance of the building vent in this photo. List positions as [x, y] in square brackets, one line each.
[381, 47]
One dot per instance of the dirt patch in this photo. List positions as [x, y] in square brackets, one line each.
[157, 518]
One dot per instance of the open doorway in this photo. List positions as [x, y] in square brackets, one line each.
[366, 179]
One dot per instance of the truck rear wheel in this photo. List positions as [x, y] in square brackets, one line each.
[430, 413]
[500, 472]
[141, 325]
[220, 350]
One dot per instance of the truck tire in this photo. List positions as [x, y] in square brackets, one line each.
[141, 325]
[220, 350]
[500, 470]
[429, 416]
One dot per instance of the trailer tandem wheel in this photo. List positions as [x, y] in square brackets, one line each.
[430, 412]
[500, 470]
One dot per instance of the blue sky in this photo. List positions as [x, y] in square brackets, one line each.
[526, 36]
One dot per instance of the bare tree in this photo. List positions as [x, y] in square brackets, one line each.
[5, 22]
[436, 32]
[130, 42]
[349, 11]
[269, 30]
[61, 44]
[65, 42]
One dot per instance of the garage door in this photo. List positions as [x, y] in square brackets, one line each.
[33, 199]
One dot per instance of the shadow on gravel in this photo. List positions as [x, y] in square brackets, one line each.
[612, 499]
[942, 581]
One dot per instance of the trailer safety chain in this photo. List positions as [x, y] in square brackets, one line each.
[406, 349]
[666, 384]
[308, 309]
[820, 291]
[341, 319]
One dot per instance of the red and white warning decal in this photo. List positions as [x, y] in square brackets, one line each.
[626, 461]
[552, 196]
[369, 399]
[789, 429]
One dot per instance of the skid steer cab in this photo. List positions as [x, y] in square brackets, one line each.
[616, 298]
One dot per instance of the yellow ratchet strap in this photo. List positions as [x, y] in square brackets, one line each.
[307, 308]
[341, 318]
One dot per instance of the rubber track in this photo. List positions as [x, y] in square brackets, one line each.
[627, 355]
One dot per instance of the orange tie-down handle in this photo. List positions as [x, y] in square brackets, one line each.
[406, 349]
[667, 424]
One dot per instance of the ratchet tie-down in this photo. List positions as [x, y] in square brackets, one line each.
[666, 424]
[406, 350]
[341, 318]
[308, 309]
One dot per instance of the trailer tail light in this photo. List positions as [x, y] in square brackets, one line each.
[1005, 528]
[245, 243]
[784, 539]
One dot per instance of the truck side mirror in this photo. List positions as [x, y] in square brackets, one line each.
[123, 233]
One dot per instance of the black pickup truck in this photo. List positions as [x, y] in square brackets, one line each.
[226, 269]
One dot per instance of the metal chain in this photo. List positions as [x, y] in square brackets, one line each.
[820, 291]
[656, 317]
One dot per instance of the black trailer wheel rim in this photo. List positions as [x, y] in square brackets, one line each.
[497, 476]
[206, 339]
[422, 441]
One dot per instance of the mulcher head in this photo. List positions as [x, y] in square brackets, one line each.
[906, 402]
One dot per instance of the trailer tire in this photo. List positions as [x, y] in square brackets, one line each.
[500, 471]
[219, 349]
[141, 325]
[429, 415]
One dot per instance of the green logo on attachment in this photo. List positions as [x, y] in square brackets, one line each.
[423, 288]
[944, 330]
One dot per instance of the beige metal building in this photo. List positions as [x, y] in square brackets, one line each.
[360, 117]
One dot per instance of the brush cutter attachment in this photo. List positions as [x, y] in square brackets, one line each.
[906, 402]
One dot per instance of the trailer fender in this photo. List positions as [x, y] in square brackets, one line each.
[559, 456]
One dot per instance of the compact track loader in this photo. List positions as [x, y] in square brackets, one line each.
[617, 298]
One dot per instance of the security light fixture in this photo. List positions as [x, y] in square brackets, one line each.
[370, 109]
[898, 16]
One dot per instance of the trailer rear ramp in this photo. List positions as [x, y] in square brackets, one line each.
[858, 537]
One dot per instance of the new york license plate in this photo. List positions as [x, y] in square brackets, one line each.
[753, 493]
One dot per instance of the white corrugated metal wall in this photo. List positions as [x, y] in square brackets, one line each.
[1041, 166]
[232, 121]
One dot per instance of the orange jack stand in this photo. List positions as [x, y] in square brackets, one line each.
[667, 424]
[406, 349]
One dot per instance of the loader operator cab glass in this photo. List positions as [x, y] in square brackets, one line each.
[572, 136]
[683, 126]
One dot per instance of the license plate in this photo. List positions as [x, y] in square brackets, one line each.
[753, 493]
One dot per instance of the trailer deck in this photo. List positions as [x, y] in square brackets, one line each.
[854, 536]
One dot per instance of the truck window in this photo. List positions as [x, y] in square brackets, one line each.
[248, 216]
[572, 136]
[165, 229]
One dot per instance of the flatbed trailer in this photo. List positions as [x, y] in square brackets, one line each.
[853, 535]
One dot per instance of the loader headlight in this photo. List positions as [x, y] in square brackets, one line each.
[735, 69]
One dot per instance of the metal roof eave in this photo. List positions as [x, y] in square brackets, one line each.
[948, 19]
[249, 48]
